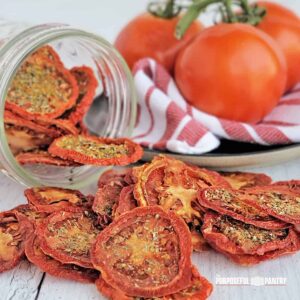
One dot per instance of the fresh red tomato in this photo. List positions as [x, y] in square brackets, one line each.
[275, 10]
[284, 26]
[150, 36]
[233, 71]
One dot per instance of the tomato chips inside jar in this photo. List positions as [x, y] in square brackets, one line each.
[41, 89]
[145, 252]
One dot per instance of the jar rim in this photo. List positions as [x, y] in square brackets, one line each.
[13, 53]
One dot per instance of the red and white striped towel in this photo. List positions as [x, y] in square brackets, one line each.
[166, 121]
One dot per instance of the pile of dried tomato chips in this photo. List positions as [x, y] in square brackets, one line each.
[135, 237]
[44, 116]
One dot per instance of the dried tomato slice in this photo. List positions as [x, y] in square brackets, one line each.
[277, 201]
[122, 175]
[198, 241]
[235, 203]
[43, 157]
[199, 289]
[51, 199]
[22, 139]
[240, 180]
[107, 198]
[173, 185]
[46, 52]
[41, 89]
[96, 151]
[87, 84]
[126, 201]
[293, 185]
[11, 241]
[13, 119]
[62, 127]
[55, 268]
[145, 252]
[68, 236]
[235, 237]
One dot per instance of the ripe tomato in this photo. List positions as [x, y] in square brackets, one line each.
[275, 10]
[284, 26]
[150, 36]
[233, 71]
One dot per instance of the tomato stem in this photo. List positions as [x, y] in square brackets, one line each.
[250, 14]
[167, 10]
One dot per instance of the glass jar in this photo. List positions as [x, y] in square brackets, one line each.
[113, 110]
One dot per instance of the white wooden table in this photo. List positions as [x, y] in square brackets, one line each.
[26, 282]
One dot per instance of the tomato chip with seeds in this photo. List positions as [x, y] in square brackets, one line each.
[41, 89]
[199, 289]
[46, 52]
[43, 157]
[68, 236]
[279, 202]
[235, 237]
[145, 252]
[173, 185]
[55, 268]
[293, 185]
[87, 84]
[240, 180]
[51, 199]
[93, 150]
[235, 203]
[250, 260]
[11, 241]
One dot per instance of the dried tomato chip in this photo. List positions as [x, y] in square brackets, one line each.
[122, 175]
[145, 252]
[12, 119]
[55, 268]
[199, 289]
[46, 52]
[87, 84]
[173, 185]
[240, 180]
[198, 241]
[293, 185]
[62, 127]
[235, 203]
[107, 198]
[41, 89]
[126, 201]
[11, 241]
[22, 139]
[96, 151]
[276, 201]
[43, 157]
[51, 199]
[68, 236]
[249, 260]
[235, 237]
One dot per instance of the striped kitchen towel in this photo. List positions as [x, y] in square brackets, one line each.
[166, 121]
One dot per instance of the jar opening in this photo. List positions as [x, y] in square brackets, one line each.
[111, 112]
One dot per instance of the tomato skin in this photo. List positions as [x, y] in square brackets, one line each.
[275, 10]
[284, 27]
[232, 71]
[150, 36]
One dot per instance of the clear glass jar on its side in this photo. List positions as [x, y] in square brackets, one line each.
[112, 113]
